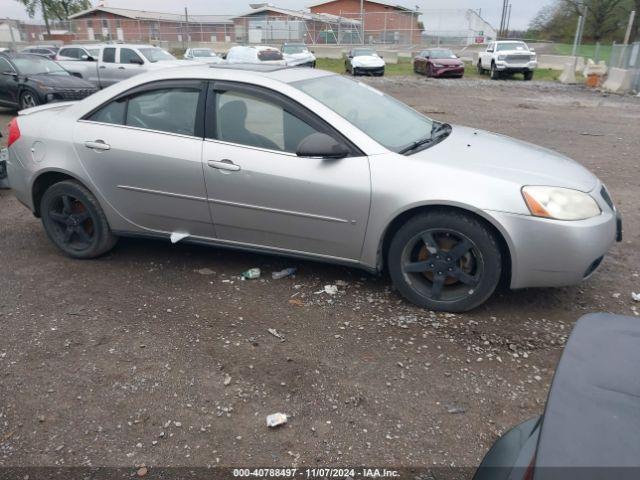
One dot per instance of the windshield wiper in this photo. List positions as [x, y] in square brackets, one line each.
[439, 131]
[416, 144]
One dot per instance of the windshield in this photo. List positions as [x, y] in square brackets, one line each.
[203, 52]
[388, 121]
[511, 46]
[291, 49]
[442, 53]
[38, 65]
[363, 52]
[156, 54]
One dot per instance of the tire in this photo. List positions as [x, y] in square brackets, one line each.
[495, 74]
[68, 209]
[28, 99]
[423, 272]
[480, 69]
[429, 70]
[528, 76]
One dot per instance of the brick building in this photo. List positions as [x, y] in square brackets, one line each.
[121, 24]
[384, 22]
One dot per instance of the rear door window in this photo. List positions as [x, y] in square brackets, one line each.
[109, 55]
[127, 55]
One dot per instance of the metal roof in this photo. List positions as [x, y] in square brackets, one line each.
[155, 16]
[386, 4]
[319, 17]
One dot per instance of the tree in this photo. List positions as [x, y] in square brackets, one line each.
[54, 9]
[603, 16]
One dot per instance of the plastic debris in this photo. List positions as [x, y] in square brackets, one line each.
[635, 296]
[330, 289]
[227, 380]
[276, 419]
[205, 271]
[287, 272]
[276, 334]
[251, 274]
[177, 236]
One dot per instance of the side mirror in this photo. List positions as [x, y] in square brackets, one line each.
[88, 58]
[321, 145]
[136, 61]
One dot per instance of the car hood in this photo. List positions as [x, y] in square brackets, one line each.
[61, 81]
[515, 52]
[293, 59]
[368, 60]
[449, 62]
[513, 160]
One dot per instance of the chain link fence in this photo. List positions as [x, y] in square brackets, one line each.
[628, 58]
[393, 29]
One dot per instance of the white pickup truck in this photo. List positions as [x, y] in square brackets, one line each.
[118, 62]
[506, 57]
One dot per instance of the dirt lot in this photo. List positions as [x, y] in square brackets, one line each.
[140, 358]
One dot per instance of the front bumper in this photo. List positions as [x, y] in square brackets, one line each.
[552, 253]
[379, 70]
[448, 71]
[503, 66]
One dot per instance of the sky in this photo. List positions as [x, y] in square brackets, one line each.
[521, 13]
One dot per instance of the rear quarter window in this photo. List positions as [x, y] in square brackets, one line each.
[267, 55]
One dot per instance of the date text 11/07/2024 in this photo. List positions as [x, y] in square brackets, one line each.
[315, 473]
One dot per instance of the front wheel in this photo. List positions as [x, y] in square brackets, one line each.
[28, 99]
[528, 75]
[495, 73]
[74, 220]
[445, 260]
[479, 67]
[429, 70]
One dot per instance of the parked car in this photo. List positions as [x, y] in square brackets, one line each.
[258, 54]
[298, 55]
[311, 164]
[590, 428]
[438, 62]
[507, 57]
[79, 52]
[117, 62]
[364, 61]
[4, 156]
[29, 80]
[204, 55]
[48, 51]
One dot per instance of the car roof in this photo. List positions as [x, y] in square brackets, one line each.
[592, 417]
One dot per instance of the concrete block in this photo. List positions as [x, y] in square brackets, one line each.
[618, 81]
[568, 74]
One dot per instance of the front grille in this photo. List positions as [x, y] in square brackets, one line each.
[75, 94]
[518, 58]
[606, 197]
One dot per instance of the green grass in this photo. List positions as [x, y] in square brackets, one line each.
[405, 68]
[588, 51]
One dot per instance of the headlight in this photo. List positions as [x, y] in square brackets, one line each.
[559, 203]
[438, 65]
[533, 58]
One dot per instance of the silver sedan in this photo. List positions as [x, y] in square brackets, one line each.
[314, 165]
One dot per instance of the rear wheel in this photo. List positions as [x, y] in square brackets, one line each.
[74, 221]
[28, 99]
[445, 260]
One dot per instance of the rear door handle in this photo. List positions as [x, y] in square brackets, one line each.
[120, 68]
[102, 67]
[97, 145]
[224, 165]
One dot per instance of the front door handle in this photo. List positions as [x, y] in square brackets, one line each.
[224, 165]
[102, 67]
[120, 68]
[97, 145]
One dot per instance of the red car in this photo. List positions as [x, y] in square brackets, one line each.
[438, 62]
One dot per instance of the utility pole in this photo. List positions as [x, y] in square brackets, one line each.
[508, 21]
[632, 17]
[13, 40]
[186, 20]
[503, 18]
[362, 20]
[577, 36]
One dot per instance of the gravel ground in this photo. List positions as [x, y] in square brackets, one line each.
[161, 355]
